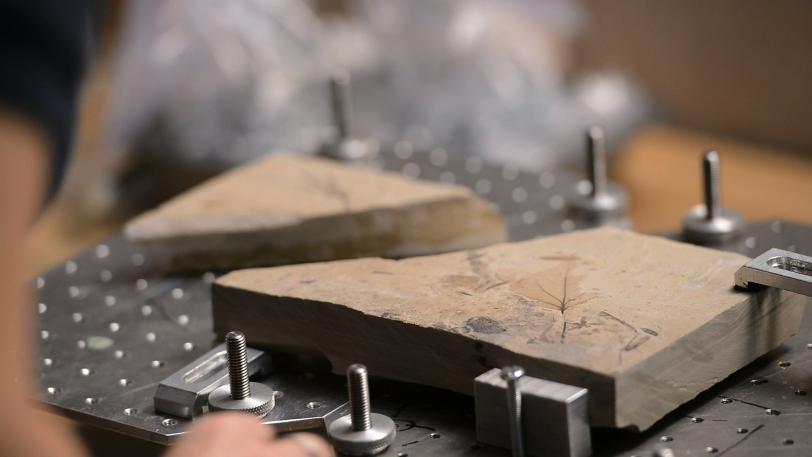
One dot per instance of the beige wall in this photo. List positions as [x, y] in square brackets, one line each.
[739, 67]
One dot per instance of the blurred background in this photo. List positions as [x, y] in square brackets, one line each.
[181, 90]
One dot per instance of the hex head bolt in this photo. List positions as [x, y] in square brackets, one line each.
[360, 432]
[345, 147]
[512, 375]
[710, 224]
[240, 394]
[605, 203]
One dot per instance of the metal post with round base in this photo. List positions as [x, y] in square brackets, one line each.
[603, 203]
[240, 394]
[711, 224]
[346, 147]
[360, 432]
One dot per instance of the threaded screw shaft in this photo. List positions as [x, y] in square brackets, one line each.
[710, 171]
[340, 97]
[512, 375]
[237, 366]
[596, 160]
[358, 390]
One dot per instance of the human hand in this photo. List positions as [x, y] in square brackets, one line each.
[242, 435]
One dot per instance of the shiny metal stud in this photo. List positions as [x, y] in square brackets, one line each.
[599, 202]
[240, 394]
[512, 375]
[345, 146]
[361, 432]
[710, 224]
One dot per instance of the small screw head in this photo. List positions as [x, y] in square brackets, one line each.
[512, 373]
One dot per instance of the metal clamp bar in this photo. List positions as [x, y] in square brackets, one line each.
[778, 268]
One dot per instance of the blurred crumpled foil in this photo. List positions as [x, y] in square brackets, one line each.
[202, 85]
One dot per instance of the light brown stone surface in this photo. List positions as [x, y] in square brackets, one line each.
[289, 209]
[643, 322]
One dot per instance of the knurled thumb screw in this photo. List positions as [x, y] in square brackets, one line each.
[240, 394]
[360, 432]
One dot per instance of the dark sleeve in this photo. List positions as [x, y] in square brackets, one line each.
[43, 49]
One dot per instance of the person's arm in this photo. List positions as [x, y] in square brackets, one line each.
[23, 174]
[42, 45]
[24, 158]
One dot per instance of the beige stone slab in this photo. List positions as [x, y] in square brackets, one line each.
[289, 209]
[643, 322]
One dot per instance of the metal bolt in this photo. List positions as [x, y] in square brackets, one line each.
[360, 432]
[596, 160]
[604, 203]
[512, 375]
[710, 224]
[710, 184]
[237, 366]
[240, 394]
[358, 391]
[345, 146]
[340, 103]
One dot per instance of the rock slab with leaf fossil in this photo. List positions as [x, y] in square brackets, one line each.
[644, 323]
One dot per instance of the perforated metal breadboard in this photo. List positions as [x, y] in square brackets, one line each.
[112, 326]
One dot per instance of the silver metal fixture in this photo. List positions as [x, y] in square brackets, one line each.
[602, 203]
[185, 392]
[360, 432]
[556, 413]
[345, 146]
[119, 377]
[664, 452]
[710, 224]
[780, 269]
[512, 375]
[240, 394]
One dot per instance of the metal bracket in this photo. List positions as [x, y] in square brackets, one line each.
[553, 415]
[184, 393]
[778, 268]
